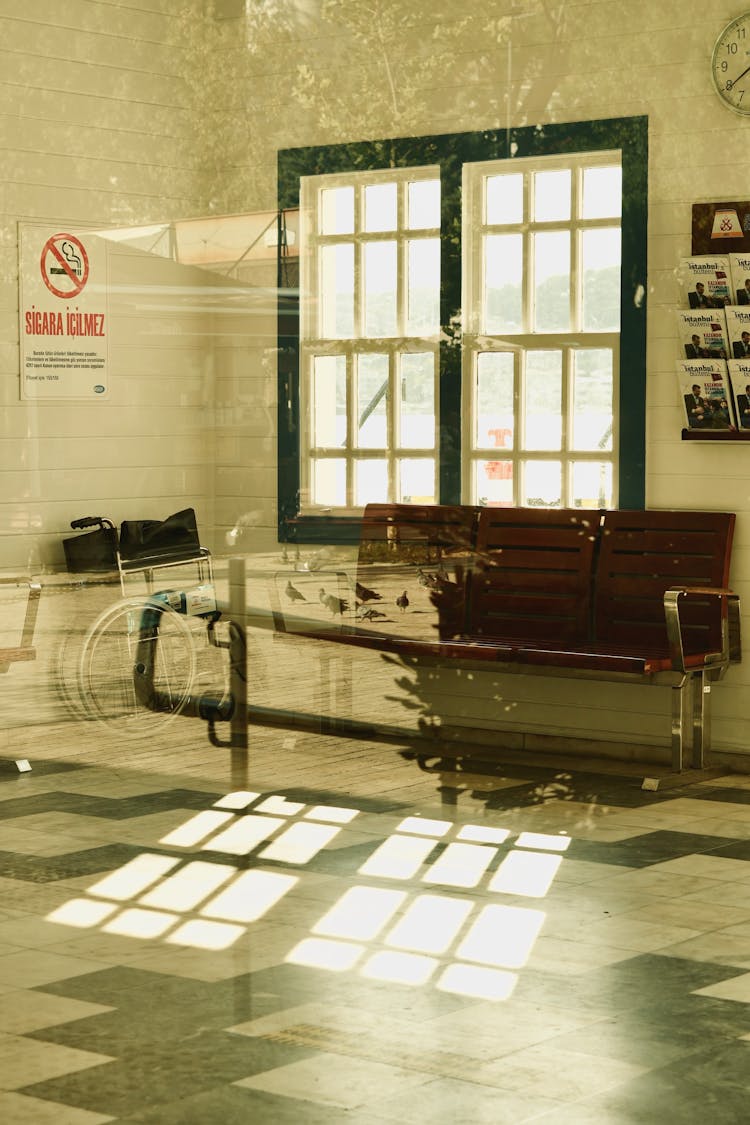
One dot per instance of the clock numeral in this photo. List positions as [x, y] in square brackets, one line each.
[724, 65]
[732, 48]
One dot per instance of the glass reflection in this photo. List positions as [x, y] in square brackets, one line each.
[503, 276]
[336, 297]
[417, 405]
[423, 204]
[551, 254]
[380, 288]
[602, 192]
[504, 199]
[381, 203]
[552, 195]
[337, 210]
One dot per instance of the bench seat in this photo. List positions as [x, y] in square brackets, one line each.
[640, 596]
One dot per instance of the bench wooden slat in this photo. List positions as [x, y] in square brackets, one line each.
[680, 541]
[533, 573]
[517, 580]
[640, 559]
[547, 559]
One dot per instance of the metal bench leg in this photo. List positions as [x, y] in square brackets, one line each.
[681, 710]
[238, 664]
[701, 719]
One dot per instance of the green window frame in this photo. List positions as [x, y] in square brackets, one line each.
[450, 153]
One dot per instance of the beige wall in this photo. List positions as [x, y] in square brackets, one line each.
[119, 114]
[96, 129]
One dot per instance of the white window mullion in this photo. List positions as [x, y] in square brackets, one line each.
[351, 424]
[402, 260]
[528, 306]
[566, 404]
[395, 420]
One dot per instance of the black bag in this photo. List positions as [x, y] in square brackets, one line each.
[175, 537]
[94, 551]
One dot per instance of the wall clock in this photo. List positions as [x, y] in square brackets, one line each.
[730, 64]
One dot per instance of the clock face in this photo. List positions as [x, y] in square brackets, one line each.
[730, 64]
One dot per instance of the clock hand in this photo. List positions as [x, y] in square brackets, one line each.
[733, 81]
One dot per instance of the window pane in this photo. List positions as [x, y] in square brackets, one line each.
[552, 281]
[543, 400]
[380, 207]
[329, 400]
[542, 484]
[337, 210]
[602, 193]
[417, 420]
[329, 482]
[552, 195]
[337, 290]
[600, 261]
[416, 480]
[424, 205]
[370, 482]
[423, 287]
[372, 401]
[592, 484]
[493, 484]
[380, 289]
[503, 270]
[504, 199]
[592, 399]
[494, 400]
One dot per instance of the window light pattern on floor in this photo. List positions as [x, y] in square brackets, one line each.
[461, 941]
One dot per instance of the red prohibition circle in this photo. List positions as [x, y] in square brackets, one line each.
[71, 262]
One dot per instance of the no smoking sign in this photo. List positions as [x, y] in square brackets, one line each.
[64, 265]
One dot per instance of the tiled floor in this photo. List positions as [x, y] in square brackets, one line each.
[329, 933]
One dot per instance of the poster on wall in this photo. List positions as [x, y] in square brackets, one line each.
[721, 228]
[62, 277]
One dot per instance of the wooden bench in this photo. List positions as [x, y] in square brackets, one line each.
[635, 596]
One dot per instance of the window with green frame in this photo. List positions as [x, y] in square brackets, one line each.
[471, 323]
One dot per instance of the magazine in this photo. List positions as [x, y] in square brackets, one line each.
[704, 387]
[738, 332]
[739, 265]
[739, 379]
[704, 282]
[703, 334]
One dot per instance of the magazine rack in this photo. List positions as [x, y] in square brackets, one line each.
[716, 435]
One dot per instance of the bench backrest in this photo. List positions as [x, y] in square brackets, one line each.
[577, 576]
[433, 543]
[644, 553]
[533, 574]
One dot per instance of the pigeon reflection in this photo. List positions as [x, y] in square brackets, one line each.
[330, 601]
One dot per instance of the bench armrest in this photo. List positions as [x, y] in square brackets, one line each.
[731, 649]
